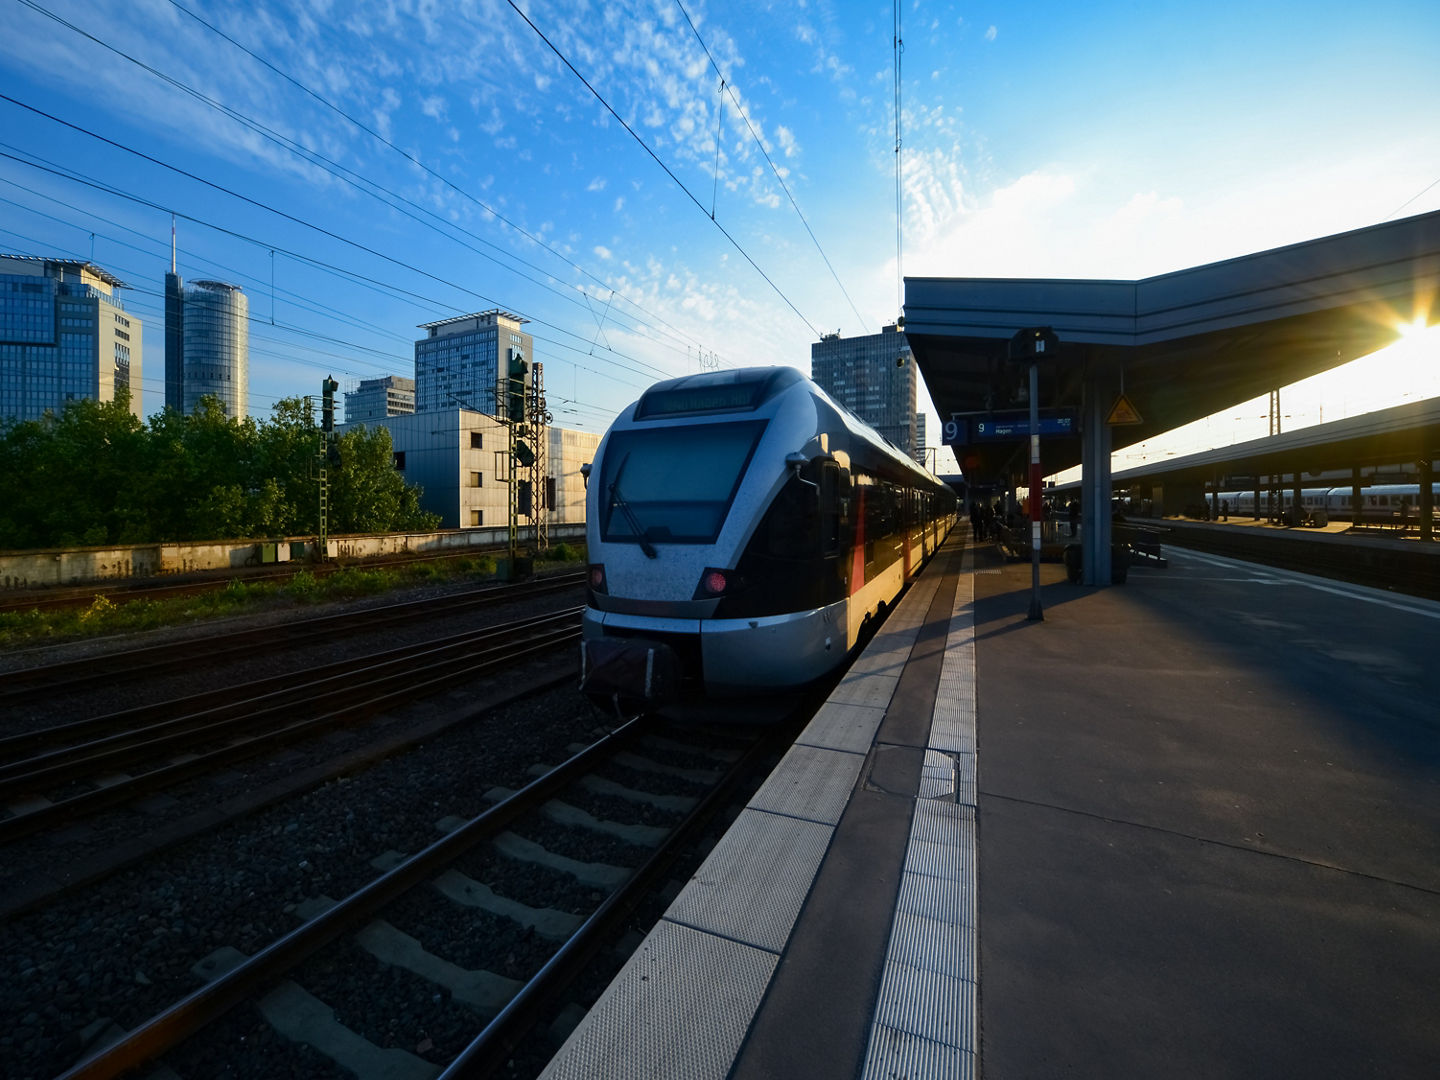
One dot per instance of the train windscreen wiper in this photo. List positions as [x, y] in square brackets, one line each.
[618, 500]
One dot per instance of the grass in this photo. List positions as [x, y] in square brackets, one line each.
[105, 617]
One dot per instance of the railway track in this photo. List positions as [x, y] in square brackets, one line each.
[477, 1018]
[124, 756]
[145, 662]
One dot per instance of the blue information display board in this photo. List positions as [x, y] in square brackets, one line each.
[991, 427]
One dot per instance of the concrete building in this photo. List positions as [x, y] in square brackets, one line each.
[64, 336]
[216, 337]
[460, 460]
[375, 399]
[874, 377]
[462, 362]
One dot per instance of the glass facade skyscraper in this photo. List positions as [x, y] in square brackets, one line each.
[216, 334]
[873, 376]
[463, 361]
[64, 336]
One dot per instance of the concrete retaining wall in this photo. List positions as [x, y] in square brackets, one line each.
[81, 566]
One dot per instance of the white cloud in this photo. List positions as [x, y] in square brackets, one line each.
[603, 252]
[990, 34]
[598, 184]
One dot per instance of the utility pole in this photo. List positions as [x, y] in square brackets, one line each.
[327, 453]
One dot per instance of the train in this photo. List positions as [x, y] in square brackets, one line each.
[1380, 503]
[744, 529]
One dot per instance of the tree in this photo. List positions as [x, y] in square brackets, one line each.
[95, 475]
[367, 494]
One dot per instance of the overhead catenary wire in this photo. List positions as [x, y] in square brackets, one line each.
[356, 180]
[387, 288]
[665, 168]
[321, 99]
[726, 86]
[300, 300]
[111, 189]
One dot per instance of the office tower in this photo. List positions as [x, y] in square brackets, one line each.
[216, 343]
[462, 362]
[374, 399]
[174, 333]
[64, 335]
[874, 376]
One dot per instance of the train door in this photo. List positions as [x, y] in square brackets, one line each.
[831, 510]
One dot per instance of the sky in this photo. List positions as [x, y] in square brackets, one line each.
[660, 186]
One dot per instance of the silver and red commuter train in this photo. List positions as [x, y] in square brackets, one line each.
[743, 527]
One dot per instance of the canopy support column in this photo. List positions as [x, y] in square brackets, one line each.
[1095, 485]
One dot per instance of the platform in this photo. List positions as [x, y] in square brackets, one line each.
[1207, 807]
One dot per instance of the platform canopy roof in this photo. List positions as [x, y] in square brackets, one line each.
[1187, 344]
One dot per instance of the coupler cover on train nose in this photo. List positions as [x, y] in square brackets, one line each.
[630, 673]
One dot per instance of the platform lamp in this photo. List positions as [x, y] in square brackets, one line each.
[1030, 346]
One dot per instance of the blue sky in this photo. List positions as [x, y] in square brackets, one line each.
[1098, 140]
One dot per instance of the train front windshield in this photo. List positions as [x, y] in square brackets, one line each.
[673, 484]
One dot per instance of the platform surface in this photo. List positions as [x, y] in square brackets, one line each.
[1184, 826]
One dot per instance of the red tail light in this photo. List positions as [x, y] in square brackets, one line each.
[716, 582]
[597, 577]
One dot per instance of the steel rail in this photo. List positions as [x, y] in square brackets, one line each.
[190, 1015]
[500, 1038]
[400, 687]
[25, 752]
[151, 660]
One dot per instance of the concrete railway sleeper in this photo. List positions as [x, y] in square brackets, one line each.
[503, 1008]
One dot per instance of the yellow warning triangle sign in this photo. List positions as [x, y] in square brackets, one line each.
[1122, 412]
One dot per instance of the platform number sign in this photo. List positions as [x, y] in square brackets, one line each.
[956, 433]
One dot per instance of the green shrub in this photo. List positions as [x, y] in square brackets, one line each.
[563, 553]
[303, 586]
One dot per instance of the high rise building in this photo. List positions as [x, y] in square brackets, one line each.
[216, 347]
[174, 333]
[64, 335]
[874, 377]
[375, 399]
[463, 362]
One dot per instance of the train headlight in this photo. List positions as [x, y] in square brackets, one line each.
[597, 577]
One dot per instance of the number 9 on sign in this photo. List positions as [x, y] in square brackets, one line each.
[954, 433]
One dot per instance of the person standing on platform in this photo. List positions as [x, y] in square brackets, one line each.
[1224, 509]
[977, 521]
[1072, 511]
